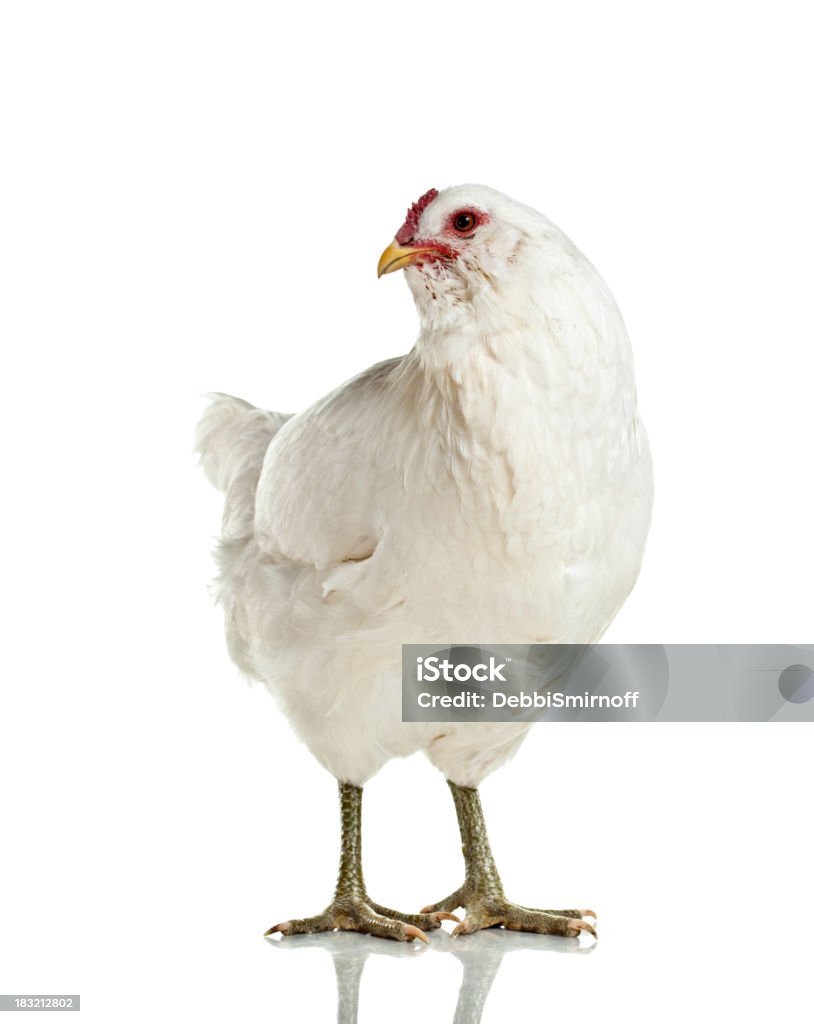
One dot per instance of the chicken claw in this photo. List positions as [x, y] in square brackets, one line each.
[283, 927]
[487, 913]
[481, 894]
[429, 920]
[359, 915]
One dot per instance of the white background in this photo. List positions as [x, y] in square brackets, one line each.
[194, 197]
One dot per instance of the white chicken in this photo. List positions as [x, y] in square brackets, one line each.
[494, 484]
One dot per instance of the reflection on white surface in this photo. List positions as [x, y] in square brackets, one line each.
[480, 954]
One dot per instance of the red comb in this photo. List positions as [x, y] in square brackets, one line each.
[408, 229]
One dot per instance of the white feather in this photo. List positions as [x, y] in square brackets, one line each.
[494, 484]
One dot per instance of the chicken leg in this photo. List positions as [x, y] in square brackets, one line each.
[482, 895]
[351, 909]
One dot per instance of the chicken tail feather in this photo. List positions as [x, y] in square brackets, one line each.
[231, 438]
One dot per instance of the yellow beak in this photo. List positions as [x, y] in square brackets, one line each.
[396, 256]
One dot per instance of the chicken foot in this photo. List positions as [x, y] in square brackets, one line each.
[482, 894]
[351, 909]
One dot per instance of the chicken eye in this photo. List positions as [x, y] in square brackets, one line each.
[464, 221]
